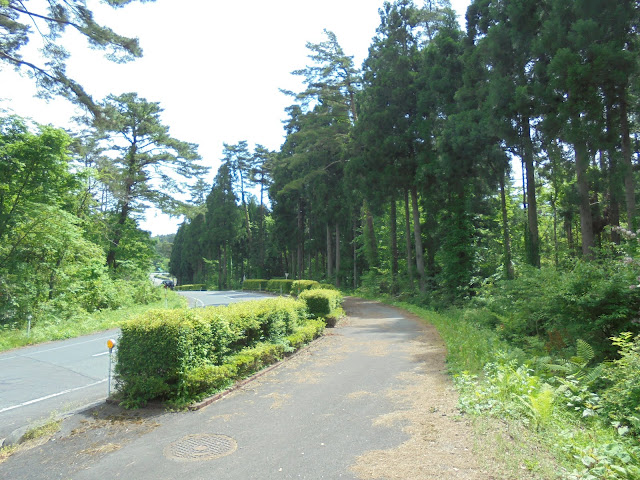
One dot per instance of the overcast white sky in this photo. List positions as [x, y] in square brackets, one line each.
[214, 66]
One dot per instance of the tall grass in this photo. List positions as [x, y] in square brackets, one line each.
[560, 413]
[470, 345]
[81, 324]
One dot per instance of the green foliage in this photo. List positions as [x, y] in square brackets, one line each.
[192, 288]
[56, 328]
[589, 426]
[279, 285]
[470, 344]
[254, 284]
[153, 352]
[621, 400]
[178, 354]
[321, 303]
[591, 301]
[51, 21]
[301, 285]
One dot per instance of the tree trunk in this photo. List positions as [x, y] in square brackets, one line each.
[300, 263]
[337, 255]
[533, 252]
[586, 219]
[508, 265]
[220, 270]
[418, 239]
[407, 231]
[355, 254]
[393, 231]
[117, 236]
[329, 255]
[629, 181]
[371, 238]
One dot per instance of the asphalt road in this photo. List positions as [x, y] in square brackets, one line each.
[64, 376]
[206, 299]
[324, 414]
[56, 377]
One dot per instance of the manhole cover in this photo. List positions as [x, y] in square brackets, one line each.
[201, 447]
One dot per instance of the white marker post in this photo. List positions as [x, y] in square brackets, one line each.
[110, 344]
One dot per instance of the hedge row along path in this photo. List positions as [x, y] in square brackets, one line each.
[369, 400]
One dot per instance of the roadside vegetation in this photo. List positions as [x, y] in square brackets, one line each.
[14, 336]
[180, 356]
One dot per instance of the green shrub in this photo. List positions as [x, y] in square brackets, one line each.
[281, 286]
[197, 287]
[208, 377]
[299, 286]
[312, 329]
[621, 400]
[325, 286]
[321, 303]
[591, 301]
[178, 354]
[155, 349]
[254, 285]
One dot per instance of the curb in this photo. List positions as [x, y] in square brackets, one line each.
[236, 386]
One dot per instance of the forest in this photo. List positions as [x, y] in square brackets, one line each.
[486, 176]
[485, 165]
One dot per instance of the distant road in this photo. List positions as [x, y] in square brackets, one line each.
[67, 375]
[207, 299]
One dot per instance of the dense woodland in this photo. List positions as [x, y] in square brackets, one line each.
[450, 164]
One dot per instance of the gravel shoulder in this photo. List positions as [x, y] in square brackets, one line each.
[369, 400]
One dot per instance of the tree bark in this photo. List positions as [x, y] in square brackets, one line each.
[586, 219]
[337, 255]
[300, 263]
[418, 239]
[533, 252]
[407, 231]
[371, 238]
[508, 264]
[393, 231]
[355, 254]
[629, 181]
[329, 254]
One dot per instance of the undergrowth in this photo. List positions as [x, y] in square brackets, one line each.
[585, 413]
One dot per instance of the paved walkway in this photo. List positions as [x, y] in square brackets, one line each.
[368, 400]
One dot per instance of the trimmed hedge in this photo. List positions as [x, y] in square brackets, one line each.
[302, 285]
[192, 288]
[279, 285]
[285, 286]
[325, 286]
[178, 354]
[321, 303]
[209, 378]
[254, 285]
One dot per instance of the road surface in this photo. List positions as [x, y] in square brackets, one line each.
[371, 399]
[64, 376]
[53, 377]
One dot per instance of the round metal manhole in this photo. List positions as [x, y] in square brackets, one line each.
[200, 447]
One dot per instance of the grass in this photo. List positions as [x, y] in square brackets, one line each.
[45, 430]
[33, 437]
[84, 325]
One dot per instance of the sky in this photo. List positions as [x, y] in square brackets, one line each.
[215, 67]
